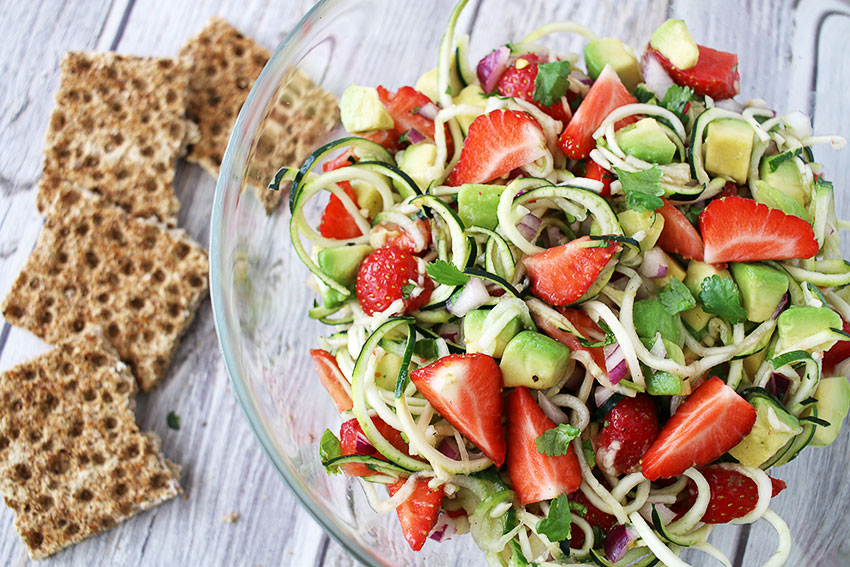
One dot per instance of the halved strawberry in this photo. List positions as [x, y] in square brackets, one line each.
[679, 235]
[392, 235]
[331, 378]
[595, 171]
[497, 143]
[404, 107]
[336, 222]
[386, 138]
[466, 389]
[709, 422]
[534, 476]
[518, 82]
[561, 275]
[733, 495]
[383, 274]
[735, 229]
[583, 323]
[594, 517]
[606, 94]
[627, 432]
[715, 74]
[418, 514]
[838, 353]
[353, 441]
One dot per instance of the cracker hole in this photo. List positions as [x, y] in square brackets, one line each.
[182, 250]
[83, 459]
[139, 84]
[110, 423]
[14, 433]
[34, 539]
[150, 187]
[78, 325]
[170, 96]
[148, 336]
[112, 331]
[91, 259]
[76, 428]
[29, 374]
[106, 397]
[14, 312]
[131, 451]
[91, 162]
[116, 234]
[59, 463]
[147, 151]
[102, 297]
[61, 257]
[98, 459]
[97, 219]
[122, 174]
[16, 406]
[35, 283]
[4, 442]
[47, 446]
[71, 385]
[157, 480]
[84, 495]
[44, 317]
[89, 395]
[122, 388]
[137, 303]
[118, 472]
[98, 360]
[119, 491]
[21, 473]
[45, 502]
[72, 529]
[146, 266]
[174, 310]
[34, 435]
[167, 327]
[173, 289]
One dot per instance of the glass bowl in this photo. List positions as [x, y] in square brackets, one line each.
[257, 281]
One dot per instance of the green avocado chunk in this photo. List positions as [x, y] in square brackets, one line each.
[833, 395]
[415, 161]
[533, 360]
[649, 222]
[343, 263]
[473, 328]
[611, 51]
[728, 147]
[783, 175]
[360, 110]
[477, 205]
[776, 199]
[647, 141]
[762, 289]
[673, 40]
[796, 324]
[773, 428]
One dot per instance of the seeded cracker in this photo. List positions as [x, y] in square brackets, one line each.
[72, 460]
[117, 129]
[95, 266]
[224, 65]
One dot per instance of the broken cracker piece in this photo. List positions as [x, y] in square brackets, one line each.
[117, 129]
[73, 462]
[224, 64]
[94, 265]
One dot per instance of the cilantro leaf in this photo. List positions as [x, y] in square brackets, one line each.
[642, 188]
[608, 340]
[406, 290]
[675, 297]
[446, 273]
[589, 453]
[677, 98]
[556, 525]
[173, 420]
[329, 449]
[552, 82]
[555, 442]
[720, 296]
[692, 213]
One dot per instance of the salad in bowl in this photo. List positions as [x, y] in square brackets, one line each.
[579, 306]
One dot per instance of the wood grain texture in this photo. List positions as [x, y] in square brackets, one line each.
[790, 51]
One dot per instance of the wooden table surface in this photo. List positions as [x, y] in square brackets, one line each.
[791, 48]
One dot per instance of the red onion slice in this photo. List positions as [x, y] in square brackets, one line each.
[781, 307]
[362, 445]
[444, 529]
[414, 136]
[617, 541]
[448, 447]
[552, 411]
[528, 226]
[675, 402]
[615, 363]
[654, 264]
[601, 395]
[778, 385]
[428, 111]
[490, 68]
[472, 296]
[654, 76]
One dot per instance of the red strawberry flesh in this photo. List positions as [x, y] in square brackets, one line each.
[627, 432]
[419, 512]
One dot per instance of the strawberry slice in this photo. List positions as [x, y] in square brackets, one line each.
[534, 476]
[382, 276]
[733, 495]
[595, 171]
[418, 514]
[336, 222]
[392, 235]
[518, 82]
[331, 378]
[466, 389]
[386, 138]
[627, 432]
[709, 422]
[678, 235]
[497, 143]
[735, 229]
[353, 441]
[594, 517]
[715, 74]
[583, 323]
[837, 354]
[404, 107]
[606, 94]
[561, 275]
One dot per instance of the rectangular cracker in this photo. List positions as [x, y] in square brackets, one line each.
[117, 129]
[224, 64]
[94, 265]
[73, 462]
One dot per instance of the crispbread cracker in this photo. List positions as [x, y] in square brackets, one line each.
[117, 129]
[73, 462]
[94, 265]
[224, 65]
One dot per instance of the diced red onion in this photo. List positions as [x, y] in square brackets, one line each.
[444, 528]
[362, 446]
[617, 541]
[781, 307]
[615, 363]
[665, 514]
[552, 411]
[555, 236]
[428, 111]
[581, 77]
[654, 264]
[601, 395]
[675, 402]
[414, 136]
[778, 385]
[472, 296]
[730, 104]
[449, 331]
[490, 68]
[654, 76]
[528, 226]
[448, 447]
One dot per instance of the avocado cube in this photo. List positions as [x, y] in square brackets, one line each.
[798, 323]
[647, 141]
[728, 147]
[833, 395]
[416, 160]
[343, 263]
[663, 383]
[361, 110]
[674, 270]
[783, 175]
[648, 222]
[776, 199]
[673, 40]
[611, 51]
[386, 372]
[773, 428]
[650, 318]
[368, 198]
[533, 360]
[477, 205]
[473, 328]
[697, 272]
[762, 289]
[471, 95]
[696, 319]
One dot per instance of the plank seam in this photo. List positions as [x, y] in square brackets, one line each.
[818, 30]
[125, 17]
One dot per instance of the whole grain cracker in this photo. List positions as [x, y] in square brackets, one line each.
[73, 462]
[94, 265]
[224, 64]
[117, 129]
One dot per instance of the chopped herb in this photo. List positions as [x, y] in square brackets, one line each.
[608, 340]
[720, 296]
[589, 453]
[643, 94]
[426, 348]
[642, 188]
[556, 525]
[692, 213]
[329, 449]
[675, 297]
[446, 273]
[173, 420]
[676, 99]
[552, 82]
[406, 290]
[555, 442]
